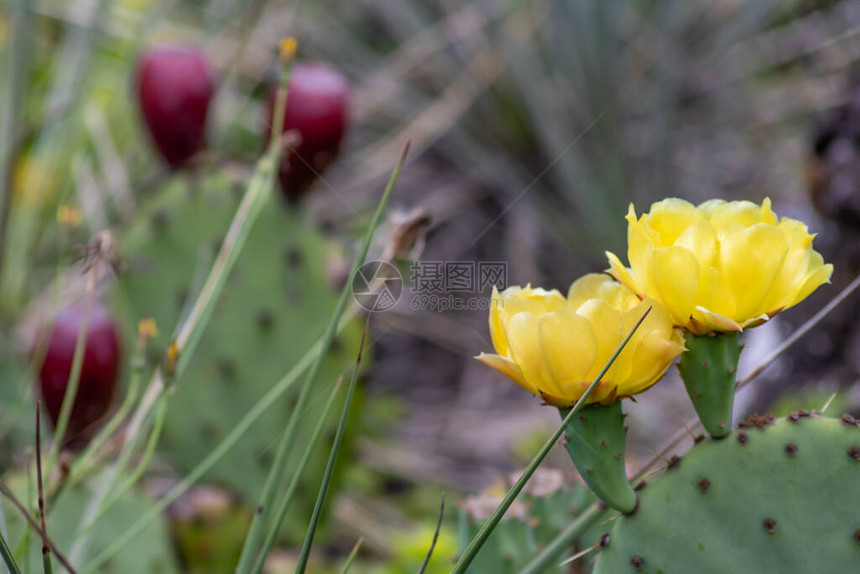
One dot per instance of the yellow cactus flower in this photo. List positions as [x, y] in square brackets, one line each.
[554, 346]
[721, 266]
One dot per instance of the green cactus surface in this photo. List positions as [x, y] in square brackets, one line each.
[151, 553]
[709, 369]
[548, 503]
[774, 496]
[596, 441]
[273, 308]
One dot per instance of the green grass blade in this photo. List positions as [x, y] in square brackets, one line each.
[351, 558]
[549, 555]
[287, 499]
[71, 391]
[47, 567]
[435, 537]
[7, 557]
[332, 459]
[265, 402]
[485, 531]
[255, 533]
[17, 81]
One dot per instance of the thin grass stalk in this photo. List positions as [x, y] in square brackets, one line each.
[287, 499]
[332, 459]
[96, 508]
[25, 512]
[290, 492]
[69, 74]
[251, 417]
[351, 558]
[545, 560]
[488, 527]
[47, 567]
[11, 565]
[18, 80]
[276, 474]
[102, 504]
[435, 537]
[71, 392]
[88, 459]
[256, 196]
[145, 459]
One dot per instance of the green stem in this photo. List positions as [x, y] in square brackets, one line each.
[596, 441]
[97, 507]
[351, 558]
[145, 459]
[87, 462]
[287, 499]
[71, 69]
[329, 469]
[251, 417]
[16, 87]
[544, 561]
[255, 533]
[488, 527]
[709, 370]
[7, 557]
[71, 392]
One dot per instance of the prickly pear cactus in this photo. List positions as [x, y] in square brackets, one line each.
[774, 496]
[274, 307]
[549, 502]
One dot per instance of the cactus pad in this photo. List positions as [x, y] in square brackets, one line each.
[273, 308]
[772, 497]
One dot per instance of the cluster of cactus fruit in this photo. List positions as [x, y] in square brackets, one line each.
[279, 291]
[176, 84]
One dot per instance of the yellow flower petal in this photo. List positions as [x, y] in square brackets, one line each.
[557, 354]
[669, 218]
[569, 346]
[507, 368]
[607, 330]
[676, 276]
[525, 347]
[599, 286]
[497, 332]
[745, 213]
[751, 259]
[750, 264]
[715, 321]
[621, 273]
[817, 278]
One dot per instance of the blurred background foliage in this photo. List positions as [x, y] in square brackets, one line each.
[533, 123]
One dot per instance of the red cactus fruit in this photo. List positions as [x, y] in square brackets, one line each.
[317, 109]
[175, 85]
[99, 371]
